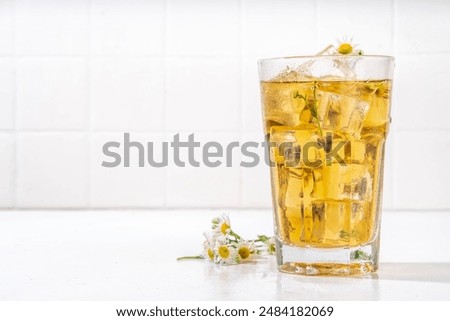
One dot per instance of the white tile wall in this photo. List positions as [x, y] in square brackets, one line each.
[127, 93]
[6, 26]
[205, 186]
[132, 187]
[7, 170]
[250, 98]
[202, 27]
[369, 23]
[202, 94]
[52, 170]
[255, 181]
[424, 156]
[75, 74]
[51, 93]
[134, 27]
[6, 93]
[422, 26]
[51, 27]
[281, 28]
[422, 88]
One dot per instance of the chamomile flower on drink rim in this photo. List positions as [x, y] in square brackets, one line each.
[225, 253]
[221, 225]
[347, 47]
[245, 249]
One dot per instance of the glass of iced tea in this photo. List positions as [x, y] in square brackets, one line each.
[326, 119]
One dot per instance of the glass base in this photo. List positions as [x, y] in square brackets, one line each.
[341, 261]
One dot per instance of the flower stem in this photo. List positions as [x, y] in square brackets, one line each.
[198, 257]
[324, 50]
[235, 235]
[314, 106]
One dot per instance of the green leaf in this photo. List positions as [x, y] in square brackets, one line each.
[263, 238]
[343, 234]
[360, 255]
[296, 95]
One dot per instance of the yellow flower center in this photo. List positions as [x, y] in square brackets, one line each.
[345, 48]
[224, 252]
[244, 252]
[210, 254]
[224, 228]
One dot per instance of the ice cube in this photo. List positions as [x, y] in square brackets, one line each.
[298, 73]
[346, 65]
[295, 185]
[278, 117]
[362, 151]
[306, 222]
[318, 221]
[285, 103]
[282, 138]
[337, 217]
[280, 106]
[289, 75]
[341, 114]
[286, 179]
[378, 113]
[361, 187]
[350, 182]
[374, 147]
[300, 147]
[346, 222]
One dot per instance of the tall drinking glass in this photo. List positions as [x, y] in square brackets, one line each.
[326, 119]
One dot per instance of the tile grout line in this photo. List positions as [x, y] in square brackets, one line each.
[164, 98]
[393, 138]
[118, 131]
[89, 105]
[240, 94]
[15, 131]
[393, 26]
[444, 210]
[119, 55]
[316, 24]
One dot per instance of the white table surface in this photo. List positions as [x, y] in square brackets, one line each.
[130, 255]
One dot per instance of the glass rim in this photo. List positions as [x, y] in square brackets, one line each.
[309, 57]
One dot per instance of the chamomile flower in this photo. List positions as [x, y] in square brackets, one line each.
[223, 246]
[208, 248]
[347, 47]
[225, 253]
[221, 225]
[245, 249]
[270, 243]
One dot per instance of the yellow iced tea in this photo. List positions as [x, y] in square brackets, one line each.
[327, 140]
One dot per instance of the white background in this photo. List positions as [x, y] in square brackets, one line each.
[76, 74]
